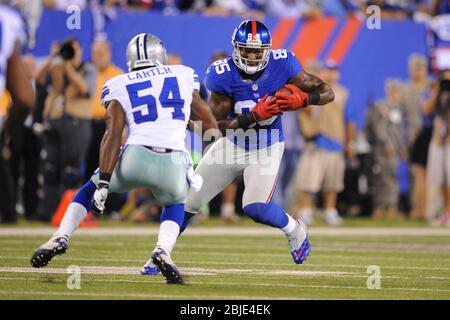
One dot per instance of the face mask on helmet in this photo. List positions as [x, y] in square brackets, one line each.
[249, 59]
[251, 49]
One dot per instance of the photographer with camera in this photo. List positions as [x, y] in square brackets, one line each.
[67, 113]
[439, 153]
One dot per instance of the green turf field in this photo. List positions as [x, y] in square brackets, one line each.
[246, 262]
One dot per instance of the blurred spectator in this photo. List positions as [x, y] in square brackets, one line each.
[439, 153]
[342, 8]
[294, 8]
[173, 58]
[63, 4]
[393, 9]
[14, 78]
[68, 108]
[167, 7]
[42, 85]
[438, 7]
[328, 132]
[419, 130]
[25, 155]
[244, 8]
[101, 57]
[384, 127]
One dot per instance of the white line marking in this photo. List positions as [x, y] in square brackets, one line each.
[280, 264]
[186, 271]
[240, 284]
[232, 231]
[142, 295]
[336, 246]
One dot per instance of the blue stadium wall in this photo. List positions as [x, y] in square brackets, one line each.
[367, 57]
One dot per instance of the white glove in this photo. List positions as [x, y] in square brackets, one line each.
[99, 198]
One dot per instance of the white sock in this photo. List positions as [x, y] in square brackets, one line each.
[290, 226]
[305, 212]
[331, 211]
[227, 210]
[168, 234]
[75, 213]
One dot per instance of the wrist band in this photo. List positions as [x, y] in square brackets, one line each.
[244, 120]
[105, 177]
[313, 98]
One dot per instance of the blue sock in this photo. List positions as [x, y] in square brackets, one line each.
[267, 213]
[173, 213]
[85, 194]
[187, 219]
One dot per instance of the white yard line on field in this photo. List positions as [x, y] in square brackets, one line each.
[246, 263]
[330, 246]
[186, 271]
[152, 279]
[231, 231]
[140, 295]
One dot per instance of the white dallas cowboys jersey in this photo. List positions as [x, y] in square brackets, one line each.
[157, 104]
[11, 31]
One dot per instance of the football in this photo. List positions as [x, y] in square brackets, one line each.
[284, 90]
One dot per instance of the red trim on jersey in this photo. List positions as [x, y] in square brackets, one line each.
[273, 188]
[253, 29]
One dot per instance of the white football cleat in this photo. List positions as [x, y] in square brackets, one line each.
[331, 217]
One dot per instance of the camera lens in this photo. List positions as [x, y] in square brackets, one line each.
[67, 52]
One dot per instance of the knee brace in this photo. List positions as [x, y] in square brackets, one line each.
[267, 213]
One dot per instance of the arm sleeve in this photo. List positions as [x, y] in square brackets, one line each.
[293, 64]
[215, 82]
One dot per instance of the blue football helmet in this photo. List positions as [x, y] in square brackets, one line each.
[251, 35]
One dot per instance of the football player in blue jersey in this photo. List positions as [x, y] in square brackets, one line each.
[253, 144]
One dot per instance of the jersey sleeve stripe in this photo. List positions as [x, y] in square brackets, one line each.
[105, 92]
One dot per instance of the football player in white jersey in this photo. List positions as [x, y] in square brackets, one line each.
[13, 77]
[155, 101]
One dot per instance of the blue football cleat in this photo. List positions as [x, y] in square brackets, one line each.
[150, 269]
[55, 246]
[299, 243]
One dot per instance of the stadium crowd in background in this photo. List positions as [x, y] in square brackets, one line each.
[391, 9]
[58, 145]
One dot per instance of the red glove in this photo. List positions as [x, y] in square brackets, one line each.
[298, 99]
[266, 109]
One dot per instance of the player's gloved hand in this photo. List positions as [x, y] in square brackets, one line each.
[266, 109]
[99, 198]
[297, 100]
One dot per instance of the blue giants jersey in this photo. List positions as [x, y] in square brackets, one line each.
[223, 77]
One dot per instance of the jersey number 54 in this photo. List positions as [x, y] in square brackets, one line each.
[170, 86]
